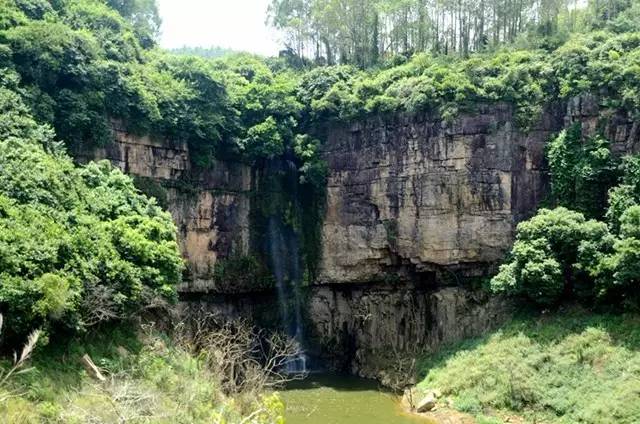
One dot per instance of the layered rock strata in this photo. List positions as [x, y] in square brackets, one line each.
[417, 193]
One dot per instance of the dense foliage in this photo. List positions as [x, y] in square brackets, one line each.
[598, 62]
[582, 171]
[559, 254]
[78, 246]
[83, 64]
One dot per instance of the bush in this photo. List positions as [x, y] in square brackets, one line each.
[545, 263]
[626, 194]
[558, 254]
[77, 245]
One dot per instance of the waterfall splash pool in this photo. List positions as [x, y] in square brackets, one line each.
[335, 399]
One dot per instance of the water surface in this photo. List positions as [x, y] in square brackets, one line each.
[333, 399]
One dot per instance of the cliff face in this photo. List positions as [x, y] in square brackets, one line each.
[414, 206]
[416, 194]
[372, 330]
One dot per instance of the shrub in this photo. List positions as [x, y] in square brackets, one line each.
[150, 379]
[67, 233]
[558, 254]
[545, 261]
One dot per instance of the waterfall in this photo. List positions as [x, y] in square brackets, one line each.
[284, 255]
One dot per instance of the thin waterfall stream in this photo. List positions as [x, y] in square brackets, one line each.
[284, 255]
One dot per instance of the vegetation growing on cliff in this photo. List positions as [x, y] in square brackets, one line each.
[78, 245]
[82, 250]
[559, 255]
[83, 64]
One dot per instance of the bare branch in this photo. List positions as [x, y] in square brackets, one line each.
[247, 359]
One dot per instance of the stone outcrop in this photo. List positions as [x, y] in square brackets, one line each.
[408, 197]
[417, 193]
[426, 404]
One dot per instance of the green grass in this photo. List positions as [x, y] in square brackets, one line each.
[567, 367]
[150, 379]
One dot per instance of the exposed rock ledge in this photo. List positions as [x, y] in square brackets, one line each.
[417, 193]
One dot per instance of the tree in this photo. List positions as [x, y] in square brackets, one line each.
[545, 264]
[362, 32]
[144, 16]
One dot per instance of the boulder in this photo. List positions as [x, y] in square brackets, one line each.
[427, 403]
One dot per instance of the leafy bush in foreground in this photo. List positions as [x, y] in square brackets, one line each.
[559, 254]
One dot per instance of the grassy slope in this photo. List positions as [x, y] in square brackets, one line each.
[567, 367]
[152, 381]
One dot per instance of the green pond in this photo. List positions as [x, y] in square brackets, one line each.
[333, 399]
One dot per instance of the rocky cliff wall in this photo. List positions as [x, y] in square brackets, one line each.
[415, 205]
[416, 194]
[413, 194]
[378, 330]
[407, 196]
[210, 207]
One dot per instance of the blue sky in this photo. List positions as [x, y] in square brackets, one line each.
[236, 24]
